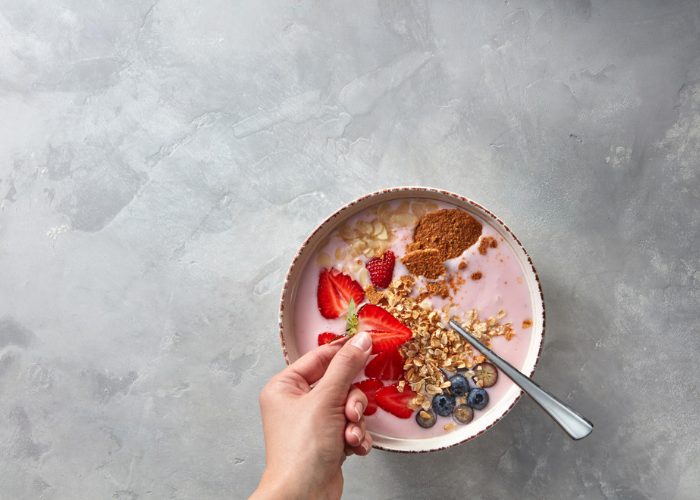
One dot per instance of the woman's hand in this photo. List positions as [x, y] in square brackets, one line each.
[310, 430]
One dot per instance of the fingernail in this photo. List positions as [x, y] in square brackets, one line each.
[366, 447]
[356, 432]
[362, 341]
[359, 409]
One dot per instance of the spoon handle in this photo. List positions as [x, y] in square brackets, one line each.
[573, 424]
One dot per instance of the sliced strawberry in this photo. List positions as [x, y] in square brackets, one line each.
[387, 332]
[335, 290]
[370, 387]
[381, 269]
[327, 338]
[387, 365]
[390, 399]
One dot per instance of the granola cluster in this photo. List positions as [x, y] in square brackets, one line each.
[435, 349]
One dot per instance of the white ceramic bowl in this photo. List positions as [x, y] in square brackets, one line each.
[498, 408]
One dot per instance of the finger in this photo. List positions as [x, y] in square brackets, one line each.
[354, 434]
[355, 405]
[345, 365]
[312, 365]
[364, 448]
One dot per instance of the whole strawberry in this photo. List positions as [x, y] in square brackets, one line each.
[381, 269]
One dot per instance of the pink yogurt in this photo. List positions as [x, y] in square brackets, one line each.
[502, 286]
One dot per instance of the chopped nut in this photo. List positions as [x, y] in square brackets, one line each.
[433, 346]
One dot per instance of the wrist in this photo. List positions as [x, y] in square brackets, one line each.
[273, 486]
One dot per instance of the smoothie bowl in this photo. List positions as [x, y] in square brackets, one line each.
[399, 263]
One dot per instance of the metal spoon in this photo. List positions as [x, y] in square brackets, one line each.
[573, 424]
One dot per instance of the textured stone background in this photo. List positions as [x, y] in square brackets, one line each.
[161, 162]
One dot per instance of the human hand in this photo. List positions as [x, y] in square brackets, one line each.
[312, 419]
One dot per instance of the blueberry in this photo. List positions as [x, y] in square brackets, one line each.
[443, 404]
[478, 398]
[459, 385]
[426, 418]
[463, 414]
[485, 374]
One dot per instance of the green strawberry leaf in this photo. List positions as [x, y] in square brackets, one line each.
[351, 320]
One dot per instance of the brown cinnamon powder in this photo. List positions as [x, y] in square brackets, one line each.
[486, 243]
[450, 231]
[477, 276]
[424, 263]
[462, 265]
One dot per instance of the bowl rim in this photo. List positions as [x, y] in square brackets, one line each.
[430, 190]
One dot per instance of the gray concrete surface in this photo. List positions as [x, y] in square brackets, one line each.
[160, 162]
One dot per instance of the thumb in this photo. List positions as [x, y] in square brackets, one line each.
[345, 366]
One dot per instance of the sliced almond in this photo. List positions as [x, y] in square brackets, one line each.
[377, 226]
[347, 232]
[358, 246]
[384, 211]
[403, 208]
[403, 220]
[419, 208]
[364, 227]
[324, 259]
[363, 277]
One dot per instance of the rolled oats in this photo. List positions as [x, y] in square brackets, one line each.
[434, 347]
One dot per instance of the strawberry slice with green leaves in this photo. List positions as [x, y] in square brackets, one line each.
[370, 388]
[387, 365]
[335, 291]
[387, 332]
[390, 399]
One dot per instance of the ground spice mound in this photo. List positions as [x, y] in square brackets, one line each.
[450, 231]
[424, 263]
[477, 276]
[486, 243]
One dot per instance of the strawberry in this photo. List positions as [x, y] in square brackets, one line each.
[387, 365]
[390, 399]
[335, 290]
[370, 387]
[327, 338]
[387, 332]
[381, 269]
